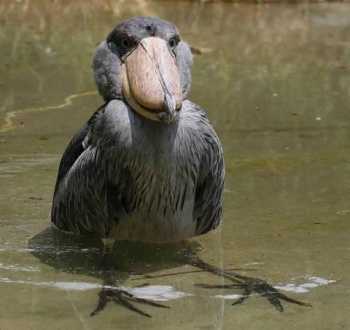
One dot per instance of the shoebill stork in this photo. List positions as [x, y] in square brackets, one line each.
[148, 165]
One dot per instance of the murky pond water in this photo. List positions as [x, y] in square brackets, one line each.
[276, 82]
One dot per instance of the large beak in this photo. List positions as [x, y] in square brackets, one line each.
[151, 80]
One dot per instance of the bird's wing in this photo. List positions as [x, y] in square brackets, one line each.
[82, 197]
[210, 186]
[73, 151]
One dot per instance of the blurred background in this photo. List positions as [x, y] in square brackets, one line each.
[274, 77]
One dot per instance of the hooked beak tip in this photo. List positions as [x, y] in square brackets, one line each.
[169, 102]
[170, 108]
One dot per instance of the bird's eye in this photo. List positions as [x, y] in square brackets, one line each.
[174, 41]
[125, 42]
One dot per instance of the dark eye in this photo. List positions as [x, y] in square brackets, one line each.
[173, 41]
[125, 43]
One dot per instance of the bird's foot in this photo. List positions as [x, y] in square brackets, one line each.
[123, 298]
[251, 286]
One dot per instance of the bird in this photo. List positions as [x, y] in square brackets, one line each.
[148, 165]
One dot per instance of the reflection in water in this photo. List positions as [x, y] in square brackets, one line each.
[11, 115]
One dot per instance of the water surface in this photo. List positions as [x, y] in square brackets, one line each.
[275, 81]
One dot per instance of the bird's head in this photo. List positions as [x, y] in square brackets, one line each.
[144, 62]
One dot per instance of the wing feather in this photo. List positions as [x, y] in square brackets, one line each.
[210, 186]
[83, 192]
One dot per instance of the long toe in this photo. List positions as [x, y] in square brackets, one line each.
[125, 299]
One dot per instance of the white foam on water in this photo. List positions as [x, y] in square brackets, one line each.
[18, 268]
[312, 282]
[167, 292]
[158, 292]
[78, 286]
[151, 292]
[14, 249]
[228, 296]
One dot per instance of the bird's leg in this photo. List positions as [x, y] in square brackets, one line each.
[106, 265]
[249, 285]
[110, 292]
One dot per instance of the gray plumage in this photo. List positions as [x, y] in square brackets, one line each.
[148, 165]
[130, 178]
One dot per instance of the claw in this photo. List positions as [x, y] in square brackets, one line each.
[274, 301]
[292, 300]
[249, 285]
[240, 300]
[123, 298]
[149, 302]
[102, 302]
[124, 302]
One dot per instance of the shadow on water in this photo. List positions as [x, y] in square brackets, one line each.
[82, 255]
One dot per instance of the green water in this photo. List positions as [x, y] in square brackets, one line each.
[275, 80]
